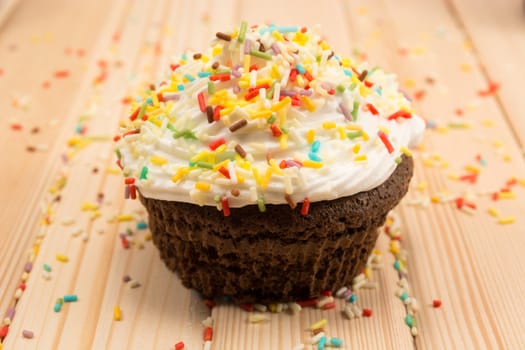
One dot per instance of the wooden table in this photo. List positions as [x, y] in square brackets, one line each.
[66, 67]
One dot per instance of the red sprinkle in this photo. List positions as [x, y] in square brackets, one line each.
[116, 138]
[209, 303]
[326, 293]
[372, 109]
[129, 180]
[305, 206]
[247, 307]
[293, 74]
[217, 113]
[174, 66]
[400, 114]
[491, 89]
[224, 172]
[436, 303]
[225, 206]
[253, 67]
[329, 306]
[308, 76]
[251, 94]
[3, 331]
[308, 303]
[386, 141]
[134, 115]
[124, 242]
[131, 132]
[64, 73]
[133, 192]
[179, 345]
[16, 126]
[208, 333]
[367, 312]
[283, 164]
[460, 201]
[216, 143]
[202, 103]
[220, 77]
[276, 131]
[472, 178]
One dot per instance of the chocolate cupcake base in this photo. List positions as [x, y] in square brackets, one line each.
[278, 255]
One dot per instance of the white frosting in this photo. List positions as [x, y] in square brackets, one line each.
[339, 172]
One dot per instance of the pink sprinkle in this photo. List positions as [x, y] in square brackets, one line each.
[27, 334]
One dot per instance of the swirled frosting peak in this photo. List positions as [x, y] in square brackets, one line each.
[266, 115]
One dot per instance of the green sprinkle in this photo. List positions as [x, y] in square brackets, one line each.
[119, 155]
[211, 87]
[269, 93]
[340, 89]
[47, 267]
[217, 198]
[284, 129]
[205, 165]
[58, 305]
[409, 320]
[189, 77]
[403, 296]
[398, 160]
[225, 155]
[223, 71]
[242, 32]
[355, 110]
[260, 54]
[187, 134]
[354, 134]
[170, 127]
[353, 86]
[272, 119]
[142, 110]
[144, 173]
[261, 205]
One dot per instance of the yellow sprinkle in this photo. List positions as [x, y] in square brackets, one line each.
[356, 148]
[422, 186]
[89, 206]
[506, 220]
[216, 50]
[319, 324]
[311, 164]
[281, 104]
[506, 195]
[522, 182]
[266, 178]
[507, 157]
[452, 176]
[472, 169]
[360, 158]
[275, 167]
[394, 247]
[494, 212]
[406, 151]
[125, 217]
[155, 121]
[383, 129]
[246, 63]
[226, 111]
[202, 186]
[324, 45]
[256, 176]
[368, 272]
[410, 83]
[154, 98]
[275, 72]
[310, 135]
[220, 149]
[283, 141]
[158, 160]
[200, 156]
[341, 131]
[365, 135]
[265, 114]
[329, 125]
[117, 314]
[181, 172]
[240, 177]
[308, 103]
[346, 62]
[435, 199]
[278, 36]
[224, 163]
[62, 258]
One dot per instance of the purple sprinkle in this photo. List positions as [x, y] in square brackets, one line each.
[406, 95]
[346, 293]
[288, 93]
[291, 163]
[306, 92]
[276, 48]
[10, 314]
[168, 97]
[345, 111]
[28, 266]
[236, 89]
[236, 73]
[27, 334]
[247, 47]
[126, 192]
[126, 278]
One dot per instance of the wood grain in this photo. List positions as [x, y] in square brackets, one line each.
[443, 52]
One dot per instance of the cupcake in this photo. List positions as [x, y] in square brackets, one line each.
[267, 163]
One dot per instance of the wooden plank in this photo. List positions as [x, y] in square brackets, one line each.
[496, 31]
[453, 256]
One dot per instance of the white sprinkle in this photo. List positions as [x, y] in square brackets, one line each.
[260, 307]
[315, 339]
[258, 317]
[348, 312]
[18, 293]
[207, 345]
[294, 307]
[414, 331]
[276, 92]
[324, 300]
[208, 322]
[233, 174]
[253, 78]
[340, 292]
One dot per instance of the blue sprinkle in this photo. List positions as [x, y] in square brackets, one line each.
[314, 157]
[322, 343]
[149, 101]
[336, 342]
[142, 225]
[68, 298]
[180, 87]
[203, 74]
[300, 68]
[403, 296]
[379, 91]
[315, 146]
[397, 265]
[287, 29]
[347, 72]
[189, 77]
[184, 56]
[353, 298]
